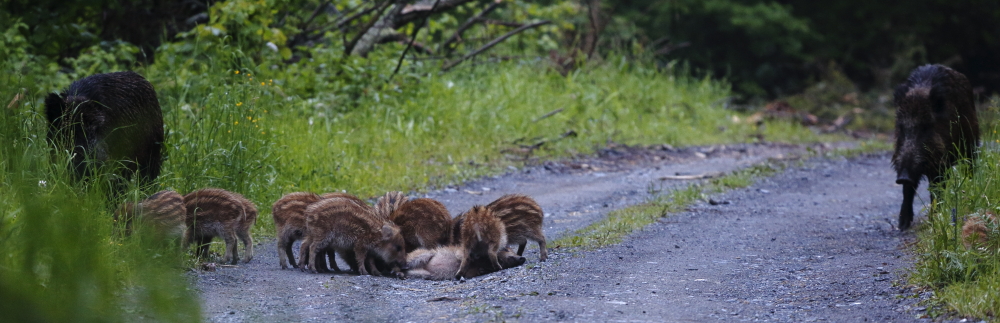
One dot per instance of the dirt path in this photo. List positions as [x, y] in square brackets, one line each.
[815, 242]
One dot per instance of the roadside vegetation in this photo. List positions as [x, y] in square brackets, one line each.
[965, 278]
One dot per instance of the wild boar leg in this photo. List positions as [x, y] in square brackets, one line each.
[231, 249]
[360, 255]
[906, 211]
[247, 244]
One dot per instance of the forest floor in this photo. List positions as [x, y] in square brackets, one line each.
[814, 242]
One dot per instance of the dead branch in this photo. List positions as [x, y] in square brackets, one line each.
[467, 24]
[413, 38]
[315, 13]
[454, 63]
[551, 113]
[502, 23]
[689, 177]
[414, 11]
[402, 39]
[670, 47]
[595, 28]
[349, 47]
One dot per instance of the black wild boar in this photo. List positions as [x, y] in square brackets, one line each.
[424, 223]
[507, 259]
[163, 211]
[522, 218]
[214, 212]
[936, 124]
[109, 118]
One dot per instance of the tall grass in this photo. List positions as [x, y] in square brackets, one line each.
[968, 279]
[60, 260]
[455, 127]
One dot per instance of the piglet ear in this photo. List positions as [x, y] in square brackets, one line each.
[387, 232]
[54, 107]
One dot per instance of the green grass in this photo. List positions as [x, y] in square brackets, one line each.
[620, 223]
[967, 281]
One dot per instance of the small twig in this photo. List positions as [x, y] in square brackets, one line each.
[413, 38]
[551, 113]
[468, 24]
[501, 23]
[340, 23]
[454, 63]
[315, 13]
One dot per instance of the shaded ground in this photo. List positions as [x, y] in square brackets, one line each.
[814, 242]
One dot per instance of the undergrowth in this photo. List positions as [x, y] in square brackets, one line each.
[966, 279]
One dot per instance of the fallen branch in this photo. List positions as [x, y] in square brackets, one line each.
[454, 63]
[688, 177]
[551, 113]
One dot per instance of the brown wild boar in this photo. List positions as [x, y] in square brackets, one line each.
[975, 232]
[441, 263]
[483, 235]
[109, 119]
[456, 229]
[388, 203]
[163, 211]
[424, 223]
[326, 253]
[214, 212]
[522, 218]
[345, 226]
[936, 125]
[290, 223]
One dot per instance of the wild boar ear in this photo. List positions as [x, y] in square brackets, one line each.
[387, 232]
[54, 107]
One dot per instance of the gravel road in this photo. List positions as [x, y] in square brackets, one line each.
[815, 242]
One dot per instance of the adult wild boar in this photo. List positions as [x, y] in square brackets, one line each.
[105, 118]
[936, 124]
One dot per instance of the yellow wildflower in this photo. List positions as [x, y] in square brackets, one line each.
[237, 72]
[239, 103]
[236, 123]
